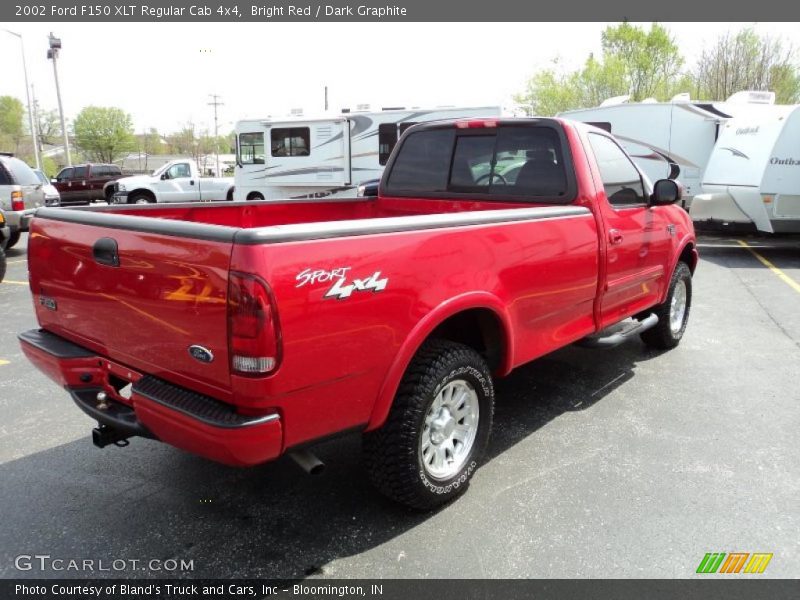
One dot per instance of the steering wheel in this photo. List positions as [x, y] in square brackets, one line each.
[494, 177]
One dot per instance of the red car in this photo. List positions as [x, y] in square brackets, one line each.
[243, 331]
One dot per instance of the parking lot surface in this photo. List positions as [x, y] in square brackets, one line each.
[616, 463]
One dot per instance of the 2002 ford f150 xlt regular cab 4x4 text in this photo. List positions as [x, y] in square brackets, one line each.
[243, 331]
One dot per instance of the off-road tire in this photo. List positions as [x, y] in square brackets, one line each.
[662, 335]
[13, 239]
[392, 452]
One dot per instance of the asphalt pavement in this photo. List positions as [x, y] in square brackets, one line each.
[615, 463]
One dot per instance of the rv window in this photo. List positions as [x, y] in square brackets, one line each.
[251, 148]
[387, 139]
[621, 180]
[291, 142]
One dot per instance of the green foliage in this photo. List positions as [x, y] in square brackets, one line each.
[49, 166]
[747, 61]
[635, 62]
[12, 113]
[103, 134]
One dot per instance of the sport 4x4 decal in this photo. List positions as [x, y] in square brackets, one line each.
[341, 290]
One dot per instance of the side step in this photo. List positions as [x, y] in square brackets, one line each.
[618, 333]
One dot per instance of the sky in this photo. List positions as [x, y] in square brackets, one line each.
[162, 74]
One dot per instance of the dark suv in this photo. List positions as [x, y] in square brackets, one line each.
[83, 184]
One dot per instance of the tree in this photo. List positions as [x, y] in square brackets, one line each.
[747, 61]
[634, 61]
[103, 133]
[48, 125]
[12, 129]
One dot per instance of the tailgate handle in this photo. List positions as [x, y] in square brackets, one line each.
[105, 252]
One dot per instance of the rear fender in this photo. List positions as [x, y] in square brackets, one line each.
[423, 330]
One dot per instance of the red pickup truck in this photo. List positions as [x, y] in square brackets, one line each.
[243, 331]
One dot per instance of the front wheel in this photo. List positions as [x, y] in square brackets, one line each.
[673, 314]
[437, 430]
[140, 199]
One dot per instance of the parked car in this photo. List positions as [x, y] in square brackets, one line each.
[20, 195]
[51, 195]
[242, 331]
[4, 234]
[176, 181]
[83, 184]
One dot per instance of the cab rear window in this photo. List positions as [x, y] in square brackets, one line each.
[523, 163]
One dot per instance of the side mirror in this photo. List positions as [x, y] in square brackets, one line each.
[368, 189]
[53, 180]
[163, 176]
[665, 191]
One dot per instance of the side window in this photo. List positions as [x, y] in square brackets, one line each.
[294, 141]
[65, 174]
[424, 163]
[79, 173]
[4, 177]
[621, 180]
[387, 139]
[99, 171]
[114, 171]
[251, 148]
[179, 170]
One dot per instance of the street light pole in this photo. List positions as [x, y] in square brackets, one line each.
[28, 96]
[52, 53]
[215, 103]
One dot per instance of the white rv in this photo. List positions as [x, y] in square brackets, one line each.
[753, 174]
[315, 158]
[691, 141]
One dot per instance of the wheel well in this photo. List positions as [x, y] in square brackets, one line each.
[255, 196]
[688, 256]
[142, 192]
[229, 196]
[478, 328]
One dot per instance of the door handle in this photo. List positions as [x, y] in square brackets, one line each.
[106, 252]
[615, 237]
[191, 182]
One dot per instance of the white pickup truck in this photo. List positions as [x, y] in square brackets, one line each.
[176, 181]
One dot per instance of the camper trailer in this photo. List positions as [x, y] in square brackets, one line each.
[682, 139]
[753, 173]
[331, 156]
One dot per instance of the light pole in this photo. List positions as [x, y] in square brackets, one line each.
[215, 103]
[28, 96]
[52, 53]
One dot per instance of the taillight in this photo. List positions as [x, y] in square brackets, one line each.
[254, 341]
[16, 201]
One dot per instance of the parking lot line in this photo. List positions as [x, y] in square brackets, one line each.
[4, 362]
[12, 282]
[14, 262]
[786, 279]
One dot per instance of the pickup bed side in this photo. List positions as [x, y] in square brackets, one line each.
[242, 331]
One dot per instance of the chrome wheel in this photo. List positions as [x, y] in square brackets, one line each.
[449, 430]
[142, 201]
[677, 308]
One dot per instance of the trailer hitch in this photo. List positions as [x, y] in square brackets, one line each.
[104, 435]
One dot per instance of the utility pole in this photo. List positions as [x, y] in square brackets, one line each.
[326, 98]
[28, 96]
[52, 53]
[38, 141]
[216, 101]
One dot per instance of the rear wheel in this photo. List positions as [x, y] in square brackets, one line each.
[254, 196]
[437, 430]
[13, 239]
[673, 314]
[2, 264]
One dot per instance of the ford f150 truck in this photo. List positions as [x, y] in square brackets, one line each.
[176, 181]
[242, 331]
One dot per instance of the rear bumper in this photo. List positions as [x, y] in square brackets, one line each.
[155, 408]
[19, 220]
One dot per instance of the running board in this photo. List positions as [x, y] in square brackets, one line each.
[609, 339]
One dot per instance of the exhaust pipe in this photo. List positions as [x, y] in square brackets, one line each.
[308, 462]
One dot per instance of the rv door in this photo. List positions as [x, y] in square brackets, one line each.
[310, 153]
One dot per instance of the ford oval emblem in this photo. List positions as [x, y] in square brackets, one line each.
[202, 354]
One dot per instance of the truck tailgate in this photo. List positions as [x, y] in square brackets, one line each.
[161, 296]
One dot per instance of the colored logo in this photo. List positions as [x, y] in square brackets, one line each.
[734, 562]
